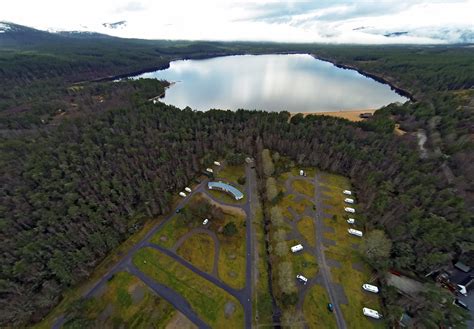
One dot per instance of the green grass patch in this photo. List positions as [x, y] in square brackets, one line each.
[126, 302]
[307, 229]
[304, 187]
[199, 250]
[207, 300]
[315, 309]
[231, 266]
[305, 264]
[231, 174]
[344, 253]
[289, 201]
[172, 231]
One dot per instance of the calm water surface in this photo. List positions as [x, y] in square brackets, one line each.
[294, 83]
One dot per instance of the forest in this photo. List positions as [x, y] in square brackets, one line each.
[76, 185]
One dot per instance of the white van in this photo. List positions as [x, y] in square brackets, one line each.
[209, 170]
[349, 209]
[348, 200]
[370, 288]
[347, 192]
[296, 248]
[351, 221]
[187, 189]
[354, 232]
[371, 313]
[302, 279]
[217, 163]
[182, 194]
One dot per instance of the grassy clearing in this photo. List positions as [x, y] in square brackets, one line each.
[289, 201]
[315, 309]
[199, 250]
[344, 253]
[304, 187]
[74, 293]
[126, 302]
[306, 228]
[231, 174]
[231, 266]
[305, 264]
[207, 300]
[310, 172]
[227, 198]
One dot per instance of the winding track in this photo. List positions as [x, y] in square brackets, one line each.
[243, 296]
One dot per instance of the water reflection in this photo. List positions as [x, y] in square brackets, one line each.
[296, 83]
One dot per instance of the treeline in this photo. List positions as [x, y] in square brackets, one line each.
[71, 194]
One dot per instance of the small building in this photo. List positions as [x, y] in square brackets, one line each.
[182, 194]
[221, 186]
[217, 163]
[355, 232]
[349, 200]
[462, 279]
[297, 248]
[349, 209]
[187, 189]
[347, 192]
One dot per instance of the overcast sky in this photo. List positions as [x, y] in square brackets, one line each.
[336, 21]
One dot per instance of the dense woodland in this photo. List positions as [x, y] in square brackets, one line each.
[75, 185]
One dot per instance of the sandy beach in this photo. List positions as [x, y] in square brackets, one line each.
[352, 115]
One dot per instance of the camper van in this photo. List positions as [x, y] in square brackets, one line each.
[351, 221]
[354, 232]
[371, 313]
[217, 163]
[205, 221]
[370, 288]
[347, 192]
[349, 209]
[302, 279]
[348, 200]
[209, 170]
[296, 248]
[187, 189]
[182, 194]
[301, 172]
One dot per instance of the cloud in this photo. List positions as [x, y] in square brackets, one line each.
[332, 21]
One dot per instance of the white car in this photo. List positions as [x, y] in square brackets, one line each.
[370, 288]
[347, 192]
[349, 209]
[204, 222]
[351, 221]
[302, 279]
[371, 313]
[349, 200]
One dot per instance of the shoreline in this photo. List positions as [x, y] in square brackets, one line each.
[351, 115]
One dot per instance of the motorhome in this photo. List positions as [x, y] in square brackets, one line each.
[209, 170]
[296, 248]
[217, 163]
[371, 313]
[302, 279]
[351, 221]
[347, 192]
[182, 194]
[349, 200]
[187, 189]
[370, 288]
[349, 209]
[355, 232]
[301, 172]
[205, 221]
